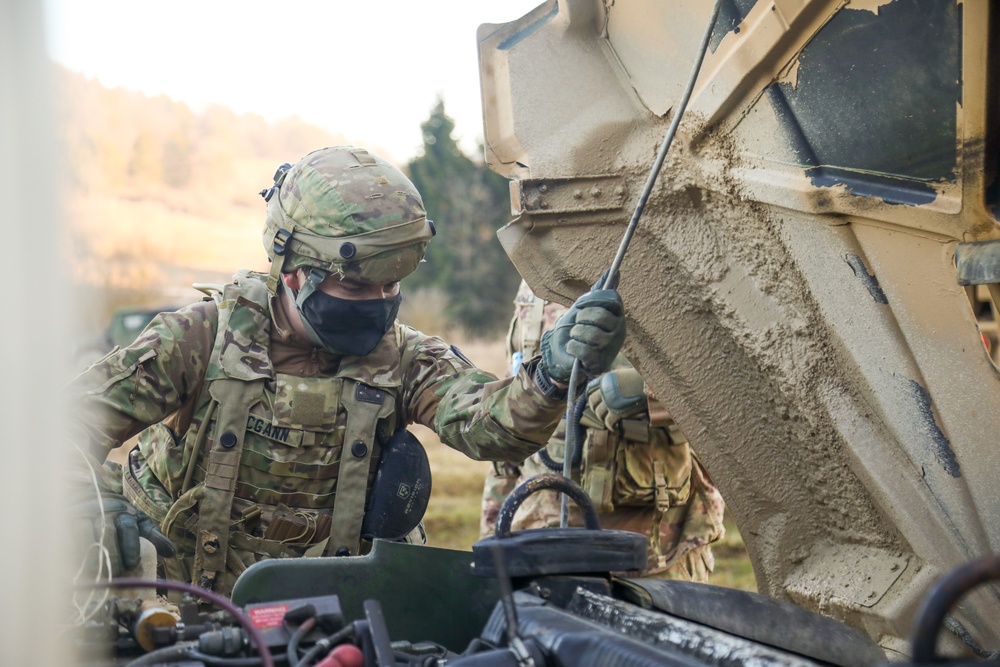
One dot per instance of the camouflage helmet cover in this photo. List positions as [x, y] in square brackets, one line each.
[344, 210]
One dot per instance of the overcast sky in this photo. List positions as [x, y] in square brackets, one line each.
[368, 69]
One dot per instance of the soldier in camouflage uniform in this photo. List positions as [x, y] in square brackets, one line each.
[262, 412]
[636, 464]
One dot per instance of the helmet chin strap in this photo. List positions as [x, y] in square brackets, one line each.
[313, 279]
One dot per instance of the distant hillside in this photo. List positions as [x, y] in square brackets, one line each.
[160, 196]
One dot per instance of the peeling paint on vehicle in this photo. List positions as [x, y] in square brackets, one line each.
[942, 446]
[867, 279]
[888, 189]
[867, 5]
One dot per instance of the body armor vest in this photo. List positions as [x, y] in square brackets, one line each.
[267, 465]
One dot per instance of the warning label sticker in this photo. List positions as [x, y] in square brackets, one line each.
[268, 617]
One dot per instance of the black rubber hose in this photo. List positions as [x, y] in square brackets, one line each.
[566, 486]
[578, 437]
[313, 653]
[326, 644]
[548, 461]
[216, 661]
[173, 653]
[932, 614]
[296, 638]
[579, 434]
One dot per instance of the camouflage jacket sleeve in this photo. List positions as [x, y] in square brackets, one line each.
[501, 479]
[471, 410]
[139, 385]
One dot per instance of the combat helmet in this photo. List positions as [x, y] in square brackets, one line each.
[347, 212]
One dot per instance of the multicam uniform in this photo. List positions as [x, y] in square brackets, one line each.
[259, 442]
[306, 404]
[637, 465]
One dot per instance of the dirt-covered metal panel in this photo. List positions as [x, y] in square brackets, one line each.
[791, 290]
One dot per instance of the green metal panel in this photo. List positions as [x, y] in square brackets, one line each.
[426, 593]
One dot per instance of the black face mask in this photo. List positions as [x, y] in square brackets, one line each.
[347, 326]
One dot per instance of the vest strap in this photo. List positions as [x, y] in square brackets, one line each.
[260, 545]
[234, 398]
[364, 406]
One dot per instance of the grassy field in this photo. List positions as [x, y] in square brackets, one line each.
[732, 565]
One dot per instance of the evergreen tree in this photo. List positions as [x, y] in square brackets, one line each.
[468, 204]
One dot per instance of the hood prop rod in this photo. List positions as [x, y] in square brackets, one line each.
[610, 278]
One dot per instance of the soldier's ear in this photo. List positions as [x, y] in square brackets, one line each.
[292, 280]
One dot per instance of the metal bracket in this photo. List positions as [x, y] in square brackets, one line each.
[567, 195]
[859, 575]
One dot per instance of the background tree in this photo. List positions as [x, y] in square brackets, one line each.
[468, 204]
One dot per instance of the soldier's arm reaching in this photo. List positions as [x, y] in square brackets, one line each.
[510, 419]
[471, 410]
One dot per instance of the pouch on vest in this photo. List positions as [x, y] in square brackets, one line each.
[402, 488]
[652, 470]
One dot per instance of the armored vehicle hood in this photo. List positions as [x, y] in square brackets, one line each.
[801, 288]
